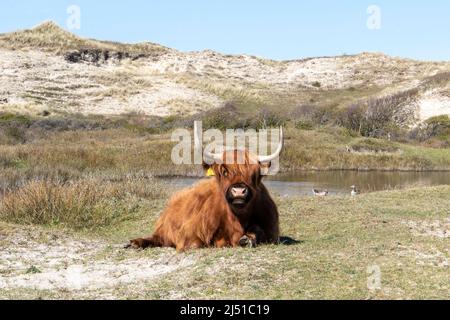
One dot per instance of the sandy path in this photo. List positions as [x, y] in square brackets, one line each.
[36, 260]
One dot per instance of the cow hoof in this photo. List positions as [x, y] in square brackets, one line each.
[127, 245]
[246, 242]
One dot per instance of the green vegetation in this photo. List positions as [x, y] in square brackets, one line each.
[33, 269]
[11, 117]
[400, 232]
[436, 131]
[72, 148]
[88, 204]
[95, 180]
[74, 187]
[374, 145]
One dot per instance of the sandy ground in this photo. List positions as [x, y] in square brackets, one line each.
[436, 228]
[34, 258]
[43, 79]
[433, 103]
[163, 86]
[37, 260]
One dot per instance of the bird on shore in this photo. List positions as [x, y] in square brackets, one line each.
[319, 193]
[354, 191]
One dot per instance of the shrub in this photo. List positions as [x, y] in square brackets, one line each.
[17, 134]
[90, 203]
[268, 119]
[317, 115]
[304, 125]
[439, 125]
[352, 118]
[305, 112]
[436, 80]
[374, 145]
[378, 115]
[324, 114]
[435, 128]
[222, 118]
[14, 118]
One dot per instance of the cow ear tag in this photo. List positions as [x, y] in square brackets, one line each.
[210, 172]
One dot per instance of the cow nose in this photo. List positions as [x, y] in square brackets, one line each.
[239, 191]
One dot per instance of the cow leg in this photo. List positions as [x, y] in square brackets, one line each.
[265, 234]
[248, 240]
[143, 243]
[189, 245]
[234, 232]
[255, 235]
[221, 243]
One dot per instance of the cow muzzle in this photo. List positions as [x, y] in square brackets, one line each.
[239, 195]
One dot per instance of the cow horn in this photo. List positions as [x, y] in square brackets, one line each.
[208, 156]
[265, 159]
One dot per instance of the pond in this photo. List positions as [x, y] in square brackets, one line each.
[338, 182]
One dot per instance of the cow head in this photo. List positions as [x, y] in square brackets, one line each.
[238, 173]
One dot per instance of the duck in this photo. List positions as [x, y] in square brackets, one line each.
[354, 191]
[319, 193]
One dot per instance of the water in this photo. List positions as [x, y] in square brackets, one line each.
[339, 182]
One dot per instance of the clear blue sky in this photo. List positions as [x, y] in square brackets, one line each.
[283, 29]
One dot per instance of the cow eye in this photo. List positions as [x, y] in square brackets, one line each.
[224, 172]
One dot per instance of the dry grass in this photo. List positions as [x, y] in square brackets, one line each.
[327, 149]
[103, 180]
[340, 238]
[75, 150]
[94, 176]
[51, 37]
[87, 204]
[97, 183]
[247, 96]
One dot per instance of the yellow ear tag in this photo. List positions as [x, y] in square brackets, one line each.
[210, 172]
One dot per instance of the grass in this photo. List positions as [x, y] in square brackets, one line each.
[50, 37]
[83, 205]
[94, 180]
[72, 149]
[326, 149]
[374, 145]
[340, 238]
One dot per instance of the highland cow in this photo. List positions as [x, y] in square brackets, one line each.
[233, 208]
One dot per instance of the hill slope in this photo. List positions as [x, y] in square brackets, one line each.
[49, 68]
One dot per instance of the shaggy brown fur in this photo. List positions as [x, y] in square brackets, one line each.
[206, 216]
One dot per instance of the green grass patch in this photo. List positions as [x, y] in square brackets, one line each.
[341, 238]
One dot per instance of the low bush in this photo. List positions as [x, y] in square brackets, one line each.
[90, 203]
[373, 145]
